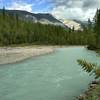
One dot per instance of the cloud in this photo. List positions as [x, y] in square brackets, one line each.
[20, 6]
[61, 12]
[75, 9]
[91, 4]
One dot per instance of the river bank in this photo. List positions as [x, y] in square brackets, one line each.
[15, 54]
[94, 49]
[56, 76]
[12, 54]
[92, 93]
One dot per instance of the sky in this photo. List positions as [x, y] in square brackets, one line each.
[61, 9]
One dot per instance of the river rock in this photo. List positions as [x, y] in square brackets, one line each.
[81, 97]
[95, 82]
[92, 86]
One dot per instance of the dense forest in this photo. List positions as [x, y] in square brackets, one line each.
[96, 30]
[14, 30]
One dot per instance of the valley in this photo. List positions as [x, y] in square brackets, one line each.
[42, 56]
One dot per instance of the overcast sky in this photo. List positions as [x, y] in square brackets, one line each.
[61, 9]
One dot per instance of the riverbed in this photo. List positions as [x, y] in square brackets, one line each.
[55, 76]
[16, 54]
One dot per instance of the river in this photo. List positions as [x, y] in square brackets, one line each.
[55, 76]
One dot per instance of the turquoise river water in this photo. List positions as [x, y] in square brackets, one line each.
[55, 76]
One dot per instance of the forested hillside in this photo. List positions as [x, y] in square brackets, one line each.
[14, 30]
[96, 30]
[45, 18]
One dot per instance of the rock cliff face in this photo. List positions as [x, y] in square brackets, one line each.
[71, 24]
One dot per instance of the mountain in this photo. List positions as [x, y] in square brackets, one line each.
[44, 18]
[83, 23]
[72, 23]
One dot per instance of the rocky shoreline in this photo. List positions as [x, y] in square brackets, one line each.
[88, 93]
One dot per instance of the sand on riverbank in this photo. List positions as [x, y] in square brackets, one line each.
[15, 54]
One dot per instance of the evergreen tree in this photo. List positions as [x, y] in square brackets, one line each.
[97, 28]
[3, 12]
[90, 67]
[18, 31]
[89, 25]
[17, 20]
[73, 29]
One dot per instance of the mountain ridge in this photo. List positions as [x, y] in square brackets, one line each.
[45, 18]
[35, 17]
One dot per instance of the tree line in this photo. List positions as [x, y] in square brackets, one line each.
[95, 45]
[14, 30]
[96, 30]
